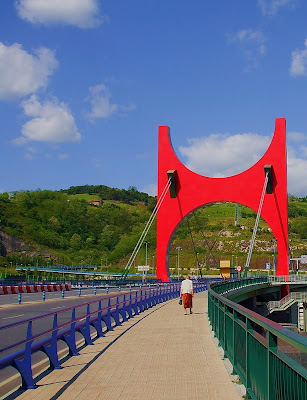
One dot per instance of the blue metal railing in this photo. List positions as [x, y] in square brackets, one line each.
[43, 332]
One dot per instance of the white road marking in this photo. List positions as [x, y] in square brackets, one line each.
[55, 308]
[14, 316]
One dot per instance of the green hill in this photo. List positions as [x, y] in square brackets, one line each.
[64, 227]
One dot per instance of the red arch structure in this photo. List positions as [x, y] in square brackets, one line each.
[190, 191]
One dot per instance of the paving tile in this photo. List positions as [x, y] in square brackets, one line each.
[159, 354]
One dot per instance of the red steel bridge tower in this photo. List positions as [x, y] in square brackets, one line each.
[189, 191]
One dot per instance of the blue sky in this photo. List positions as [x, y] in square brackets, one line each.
[84, 85]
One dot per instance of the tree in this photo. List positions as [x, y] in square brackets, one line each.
[76, 241]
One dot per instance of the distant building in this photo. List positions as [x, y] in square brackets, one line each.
[95, 202]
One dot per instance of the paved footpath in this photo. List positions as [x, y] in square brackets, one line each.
[159, 354]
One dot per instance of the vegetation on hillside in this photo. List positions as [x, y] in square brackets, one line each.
[63, 228]
[107, 193]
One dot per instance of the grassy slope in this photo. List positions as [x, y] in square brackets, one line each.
[216, 224]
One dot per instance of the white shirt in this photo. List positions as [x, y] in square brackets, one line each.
[186, 286]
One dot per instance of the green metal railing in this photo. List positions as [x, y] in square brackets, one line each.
[270, 360]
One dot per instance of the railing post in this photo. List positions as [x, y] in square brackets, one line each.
[248, 328]
[52, 349]
[97, 324]
[116, 313]
[129, 308]
[123, 310]
[271, 347]
[235, 321]
[107, 318]
[86, 330]
[25, 366]
[142, 308]
[135, 304]
[70, 339]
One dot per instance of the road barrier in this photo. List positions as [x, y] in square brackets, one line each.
[34, 288]
[100, 315]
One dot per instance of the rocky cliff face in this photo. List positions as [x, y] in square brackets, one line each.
[9, 244]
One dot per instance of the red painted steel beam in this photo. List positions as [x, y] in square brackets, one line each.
[194, 191]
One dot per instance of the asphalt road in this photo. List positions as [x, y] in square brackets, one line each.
[32, 306]
[12, 299]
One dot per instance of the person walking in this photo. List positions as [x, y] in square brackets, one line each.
[187, 294]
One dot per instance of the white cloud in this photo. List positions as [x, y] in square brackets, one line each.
[297, 175]
[248, 36]
[150, 189]
[252, 43]
[101, 105]
[220, 155]
[52, 122]
[296, 136]
[96, 163]
[271, 7]
[80, 13]
[28, 156]
[299, 62]
[22, 73]
[63, 156]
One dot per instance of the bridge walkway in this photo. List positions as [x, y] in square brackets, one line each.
[159, 354]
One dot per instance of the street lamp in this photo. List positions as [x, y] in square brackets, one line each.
[198, 264]
[274, 249]
[107, 267]
[146, 252]
[178, 248]
[146, 247]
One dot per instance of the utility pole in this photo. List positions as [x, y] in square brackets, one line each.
[274, 264]
[146, 253]
[178, 248]
[146, 247]
[237, 214]
[107, 267]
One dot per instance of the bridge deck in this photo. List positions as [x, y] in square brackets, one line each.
[159, 354]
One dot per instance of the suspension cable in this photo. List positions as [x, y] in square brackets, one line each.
[146, 229]
[209, 245]
[200, 228]
[193, 243]
[256, 225]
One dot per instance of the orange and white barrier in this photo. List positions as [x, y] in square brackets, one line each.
[34, 288]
